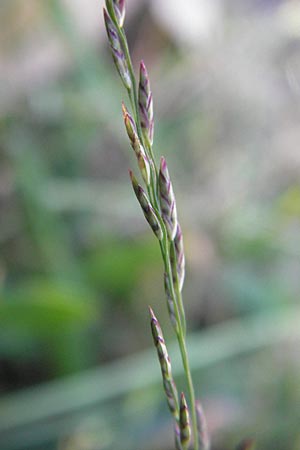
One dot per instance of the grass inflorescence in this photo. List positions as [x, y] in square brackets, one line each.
[158, 204]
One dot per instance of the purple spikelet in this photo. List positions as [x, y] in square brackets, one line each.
[116, 10]
[117, 51]
[119, 6]
[142, 158]
[203, 436]
[184, 423]
[167, 200]
[148, 210]
[146, 105]
[178, 259]
[165, 365]
[170, 301]
[178, 445]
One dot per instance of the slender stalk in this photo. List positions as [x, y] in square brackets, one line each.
[181, 341]
[159, 220]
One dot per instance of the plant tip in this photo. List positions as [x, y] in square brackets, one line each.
[163, 163]
[151, 311]
[105, 14]
[124, 109]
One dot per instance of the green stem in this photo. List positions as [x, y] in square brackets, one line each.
[153, 194]
[168, 270]
[180, 334]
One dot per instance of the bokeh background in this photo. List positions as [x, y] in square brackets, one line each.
[78, 265]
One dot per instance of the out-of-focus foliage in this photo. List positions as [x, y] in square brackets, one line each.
[78, 266]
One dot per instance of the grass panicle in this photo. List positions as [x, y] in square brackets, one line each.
[159, 208]
[157, 202]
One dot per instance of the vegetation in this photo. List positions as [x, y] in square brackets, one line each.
[77, 265]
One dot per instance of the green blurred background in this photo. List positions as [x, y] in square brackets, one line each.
[78, 265]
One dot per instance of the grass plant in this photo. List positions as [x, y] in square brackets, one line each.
[158, 204]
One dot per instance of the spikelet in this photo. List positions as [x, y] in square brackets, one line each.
[203, 436]
[178, 258]
[116, 10]
[165, 365]
[145, 105]
[184, 423]
[148, 210]
[119, 7]
[170, 301]
[167, 200]
[117, 51]
[142, 158]
[178, 445]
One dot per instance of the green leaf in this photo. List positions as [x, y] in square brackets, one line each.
[40, 306]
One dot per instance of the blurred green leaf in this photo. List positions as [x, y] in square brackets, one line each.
[44, 307]
[289, 202]
[117, 265]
